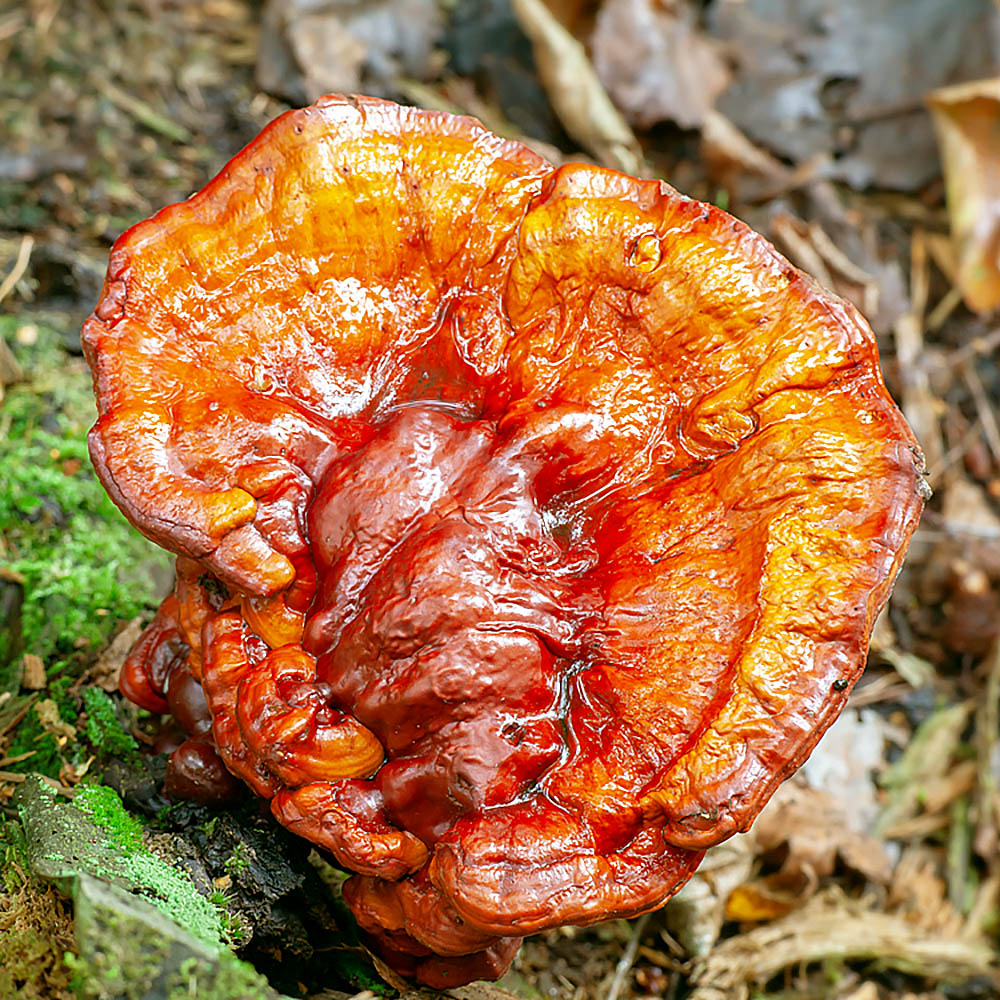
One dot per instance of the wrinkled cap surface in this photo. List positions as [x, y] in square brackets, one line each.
[532, 522]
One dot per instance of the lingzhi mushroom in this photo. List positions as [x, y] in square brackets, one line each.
[531, 523]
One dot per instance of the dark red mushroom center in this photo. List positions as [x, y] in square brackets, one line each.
[448, 615]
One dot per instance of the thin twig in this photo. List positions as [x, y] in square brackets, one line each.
[15, 777]
[886, 687]
[918, 400]
[947, 304]
[16, 721]
[957, 451]
[977, 347]
[919, 403]
[836, 257]
[986, 416]
[627, 960]
[920, 274]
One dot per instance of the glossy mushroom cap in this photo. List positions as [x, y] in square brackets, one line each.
[532, 521]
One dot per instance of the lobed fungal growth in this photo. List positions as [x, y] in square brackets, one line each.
[531, 523]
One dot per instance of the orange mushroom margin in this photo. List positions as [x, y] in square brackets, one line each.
[531, 523]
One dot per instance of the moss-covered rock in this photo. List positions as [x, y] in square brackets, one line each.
[142, 930]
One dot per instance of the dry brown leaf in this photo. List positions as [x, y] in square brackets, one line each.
[767, 898]
[967, 510]
[919, 893]
[967, 118]
[815, 829]
[844, 762]
[313, 47]
[734, 162]
[845, 79]
[655, 62]
[961, 571]
[52, 722]
[109, 664]
[939, 793]
[330, 57]
[33, 677]
[576, 93]
[866, 991]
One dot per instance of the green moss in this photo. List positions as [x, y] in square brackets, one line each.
[127, 956]
[237, 861]
[104, 807]
[15, 856]
[138, 920]
[173, 894]
[230, 978]
[167, 889]
[196, 979]
[84, 567]
[104, 730]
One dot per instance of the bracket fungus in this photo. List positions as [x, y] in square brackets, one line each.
[531, 523]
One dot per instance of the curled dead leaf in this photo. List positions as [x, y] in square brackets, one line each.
[52, 722]
[767, 898]
[967, 119]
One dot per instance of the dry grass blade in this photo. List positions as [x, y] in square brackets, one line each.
[833, 927]
[20, 266]
[928, 757]
[919, 402]
[836, 257]
[985, 840]
[800, 249]
[141, 111]
[977, 347]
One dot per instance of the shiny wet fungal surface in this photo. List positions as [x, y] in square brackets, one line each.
[531, 522]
